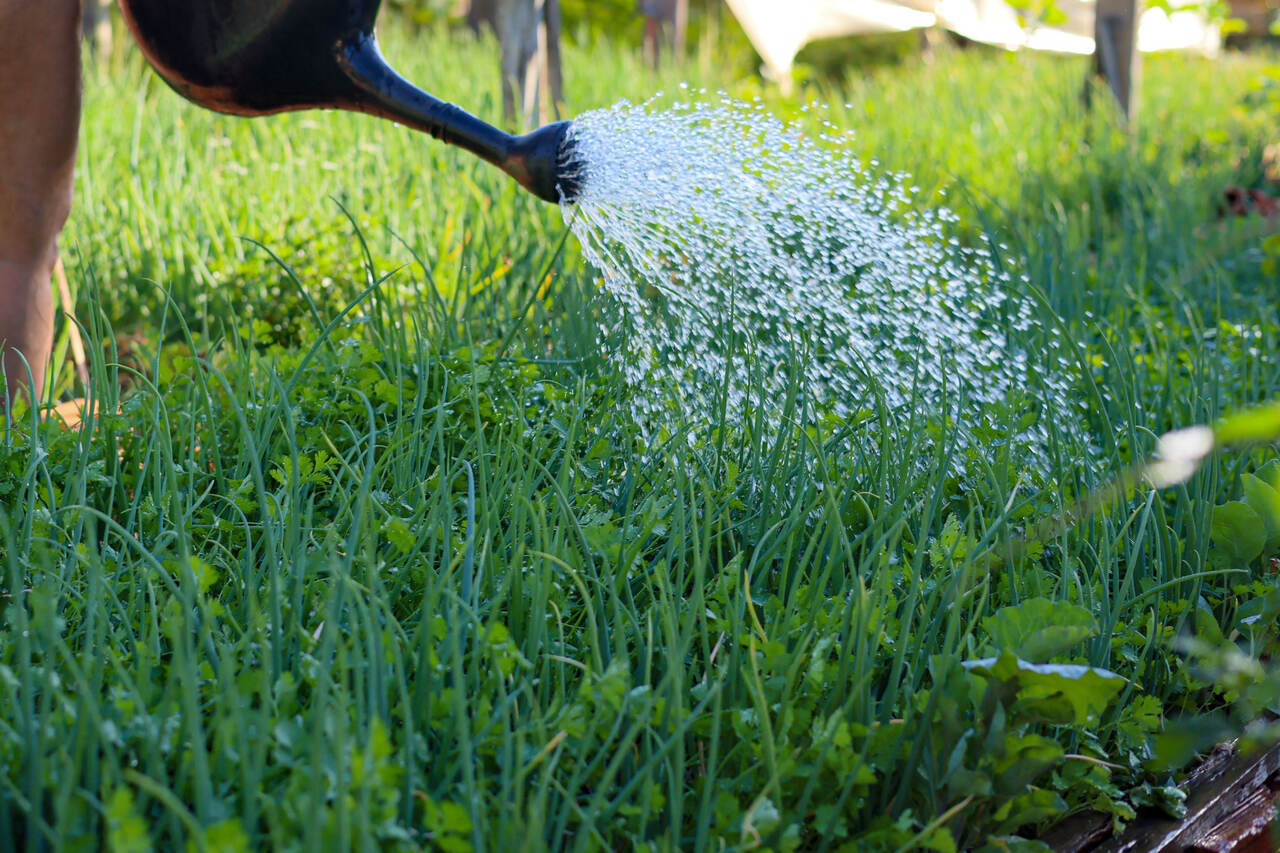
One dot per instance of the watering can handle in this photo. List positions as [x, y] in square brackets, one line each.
[540, 160]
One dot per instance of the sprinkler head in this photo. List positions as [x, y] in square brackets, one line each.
[546, 163]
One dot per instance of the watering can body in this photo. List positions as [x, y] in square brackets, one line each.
[252, 57]
[257, 57]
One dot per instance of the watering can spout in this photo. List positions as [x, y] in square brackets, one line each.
[543, 161]
[257, 57]
[546, 163]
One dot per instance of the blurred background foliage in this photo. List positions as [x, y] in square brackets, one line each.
[713, 32]
[585, 21]
[715, 35]
[715, 40]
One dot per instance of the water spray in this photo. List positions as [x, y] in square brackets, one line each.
[752, 267]
[259, 57]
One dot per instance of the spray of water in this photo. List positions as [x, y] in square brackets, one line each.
[746, 262]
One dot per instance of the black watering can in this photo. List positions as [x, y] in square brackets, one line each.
[256, 57]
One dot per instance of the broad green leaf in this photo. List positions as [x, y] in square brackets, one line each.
[1021, 761]
[1264, 499]
[126, 830]
[454, 819]
[1183, 738]
[1169, 798]
[1238, 534]
[503, 651]
[1054, 17]
[1140, 718]
[1028, 808]
[205, 574]
[1250, 426]
[1038, 629]
[940, 840]
[224, 837]
[1207, 627]
[1259, 612]
[1051, 693]
[964, 782]
[765, 815]
[449, 825]
[398, 534]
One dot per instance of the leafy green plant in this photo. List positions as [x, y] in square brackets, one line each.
[358, 547]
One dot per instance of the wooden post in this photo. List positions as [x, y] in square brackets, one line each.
[681, 35]
[664, 21]
[480, 13]
[652, 31]
[96, 24]
[529, 33]
[554, 68]
[1115, 54]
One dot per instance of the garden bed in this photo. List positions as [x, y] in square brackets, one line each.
[1230, 808]
[359, 545]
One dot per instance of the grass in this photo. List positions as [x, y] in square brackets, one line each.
[330, 567]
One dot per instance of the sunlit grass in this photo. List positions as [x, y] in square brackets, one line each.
[331, 568]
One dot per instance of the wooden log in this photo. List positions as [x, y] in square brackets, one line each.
[1212, 802]
[1245, 830]
[1231, 807]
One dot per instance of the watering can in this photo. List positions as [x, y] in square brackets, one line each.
[257, 57]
